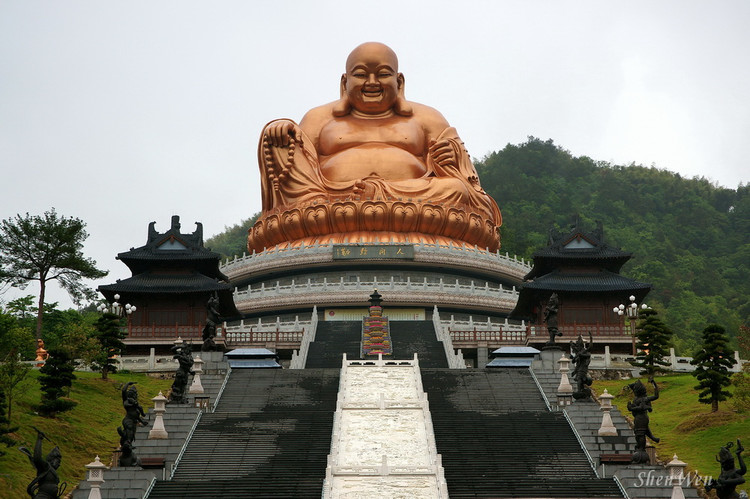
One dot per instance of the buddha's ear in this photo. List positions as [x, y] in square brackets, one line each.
[342, 107]
[402, 106]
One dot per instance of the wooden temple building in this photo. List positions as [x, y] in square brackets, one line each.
[584, 271]
[174, 276]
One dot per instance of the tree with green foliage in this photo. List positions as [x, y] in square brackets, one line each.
[741, 384]
[713, 362]
[22, 307]
[690, 237]
[653, 339]
[743, 342]
[5, 427]
[12, 373]
[56, 376]
[110, 336]
[46, 248]
[233, 241]
[14, 336]
[81, 343]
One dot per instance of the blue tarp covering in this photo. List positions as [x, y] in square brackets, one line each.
[254, 364]
[516, 351]
[250, 352]
[510, 362]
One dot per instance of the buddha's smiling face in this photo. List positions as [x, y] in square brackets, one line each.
[372, 81]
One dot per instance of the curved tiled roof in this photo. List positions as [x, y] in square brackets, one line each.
[585, 281]
[165, 283]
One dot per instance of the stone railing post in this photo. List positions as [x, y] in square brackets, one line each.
[196, 386]
[565, 389]
[676, 470]
[96, 477]
[607, 428]
[158, 432]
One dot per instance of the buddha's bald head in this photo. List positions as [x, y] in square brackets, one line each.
[372, 84]
[372, 51]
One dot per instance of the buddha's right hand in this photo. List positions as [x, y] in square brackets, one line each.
[281, 133]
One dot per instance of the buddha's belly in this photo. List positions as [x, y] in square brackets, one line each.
[367, 160]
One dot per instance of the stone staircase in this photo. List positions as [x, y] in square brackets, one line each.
[497, 438]
[332, 340]
[410, 337]
[639, 481]
[269, 437]
[179, 420]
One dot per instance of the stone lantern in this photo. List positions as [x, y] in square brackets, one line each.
[676, 472]
[607, 429]
[565, 390]
[196, 386]
[96, 478]
[158, 432]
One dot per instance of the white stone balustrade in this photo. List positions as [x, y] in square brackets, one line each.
[455, 359]
[463, 256]
[295, 294]
[300, 358]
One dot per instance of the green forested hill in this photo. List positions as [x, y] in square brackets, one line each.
[690, 238]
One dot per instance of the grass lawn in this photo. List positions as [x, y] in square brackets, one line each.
[685, 426]
[88, 429]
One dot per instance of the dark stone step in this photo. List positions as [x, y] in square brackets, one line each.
[497, 438]
[270, 437]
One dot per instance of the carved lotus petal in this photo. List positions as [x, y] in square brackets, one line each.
[404, 217]
[475, 233]
[456, 223]
[317, 221]
[374, 216]
[432, 219]
[274, 234]
[256, 237]
[344, 217]
[292, 225]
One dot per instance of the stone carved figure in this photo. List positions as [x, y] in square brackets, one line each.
[212, 321]
[183, 355]
[580, 356]
[46, 485]
[730, 477]
[370, 166]
[127, 450]
[134, 415]
[640, 406]
[550, 317]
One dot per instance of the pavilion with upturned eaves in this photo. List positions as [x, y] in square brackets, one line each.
[174, 276]
[584, 271]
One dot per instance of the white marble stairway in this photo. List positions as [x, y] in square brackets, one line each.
[383, 445]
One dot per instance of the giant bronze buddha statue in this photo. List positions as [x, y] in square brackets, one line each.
[370, 167]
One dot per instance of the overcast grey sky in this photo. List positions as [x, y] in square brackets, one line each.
[123, 113]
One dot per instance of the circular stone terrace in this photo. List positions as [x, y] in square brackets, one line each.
[344, 275]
